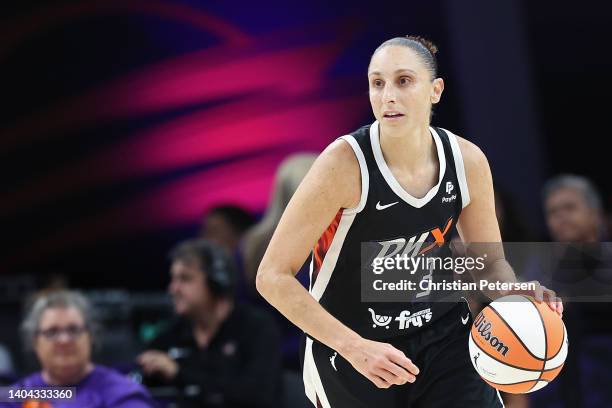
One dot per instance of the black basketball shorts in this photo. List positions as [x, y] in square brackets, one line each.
[447, 378]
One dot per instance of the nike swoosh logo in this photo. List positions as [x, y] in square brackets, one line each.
[465, 319]
[382, 207]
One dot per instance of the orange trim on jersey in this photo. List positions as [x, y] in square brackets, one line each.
[323, 244]
[438, 236]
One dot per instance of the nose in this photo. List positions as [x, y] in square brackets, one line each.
[174, 287]
[63, 338]
[388, 95]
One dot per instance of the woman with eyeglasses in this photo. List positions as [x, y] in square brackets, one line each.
[61, 330]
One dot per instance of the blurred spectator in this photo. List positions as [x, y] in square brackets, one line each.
[217, 353]
[225, 225]
[60, 328]
[49, 283]
[288, 177]
[573, 211]
[6, 363]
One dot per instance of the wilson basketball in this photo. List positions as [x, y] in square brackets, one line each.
[518, 345]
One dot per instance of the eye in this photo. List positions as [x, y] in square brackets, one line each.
[405, 80]
[74, 330]
[377, 83]
[52, 332]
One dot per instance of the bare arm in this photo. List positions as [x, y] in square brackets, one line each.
[479, 229]
[309, 212]
[332, 183]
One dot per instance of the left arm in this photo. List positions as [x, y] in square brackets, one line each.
[479, 229]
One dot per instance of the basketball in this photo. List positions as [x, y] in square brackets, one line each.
[518, 345]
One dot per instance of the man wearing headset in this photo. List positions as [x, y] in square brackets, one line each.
[225, 354]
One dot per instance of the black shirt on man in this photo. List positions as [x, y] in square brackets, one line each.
[240, 367]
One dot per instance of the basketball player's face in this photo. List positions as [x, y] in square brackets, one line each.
[401, 88]
[569, 217]
[188, 288]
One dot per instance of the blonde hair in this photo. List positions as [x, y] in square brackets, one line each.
[289, 175]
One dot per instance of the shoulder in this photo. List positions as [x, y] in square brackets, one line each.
[336, 175]
[474, 160]
[32, 380]
[346, 148]
[473, 168]
[116, 387]
[105, 376]
[477, 174]
[339, 156]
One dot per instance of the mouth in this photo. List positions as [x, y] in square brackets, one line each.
[392, 115]
[65, 352]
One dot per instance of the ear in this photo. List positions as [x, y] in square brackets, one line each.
[436, 90]
[599, 219]
[35, 347]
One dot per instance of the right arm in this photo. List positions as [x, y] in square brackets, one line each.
[332, 183]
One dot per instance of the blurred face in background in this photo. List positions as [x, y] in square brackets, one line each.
[217, 229]
[400, 82]
[569, 217]
[63, 344]
[188, 287]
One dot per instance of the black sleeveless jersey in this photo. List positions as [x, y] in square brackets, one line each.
[389, 222]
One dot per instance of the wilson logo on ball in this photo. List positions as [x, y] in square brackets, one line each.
[535, 334]
[484, 328]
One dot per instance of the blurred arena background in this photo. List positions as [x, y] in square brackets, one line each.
[125, 122]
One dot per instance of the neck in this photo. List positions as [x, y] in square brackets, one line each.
[66, 376]
[407, 148]
[207, 323]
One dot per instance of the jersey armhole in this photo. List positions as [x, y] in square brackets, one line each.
[365, 178]
[460, 168]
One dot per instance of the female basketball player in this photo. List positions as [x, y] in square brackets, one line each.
[397, 180]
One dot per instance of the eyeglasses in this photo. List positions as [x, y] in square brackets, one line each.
[54, 333]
